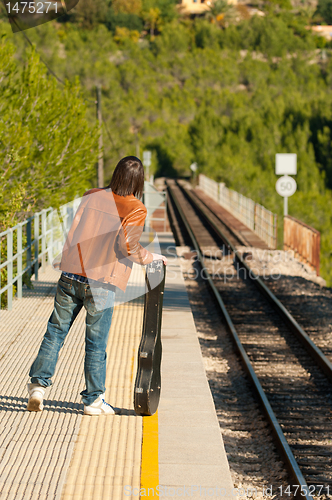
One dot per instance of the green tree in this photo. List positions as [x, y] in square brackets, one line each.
[167, 8]
[89, 12]
[127, 6]
[324, 9]
[47, 148]
[218, 12]
[127, 20]
[152, 20]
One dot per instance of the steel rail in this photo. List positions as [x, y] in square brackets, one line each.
[280, 438]
[285, 315]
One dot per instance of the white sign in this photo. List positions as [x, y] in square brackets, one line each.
[286, 186]
[147, 158]
[286, 164]
[193, 167]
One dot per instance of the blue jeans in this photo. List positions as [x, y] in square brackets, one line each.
[70, 297]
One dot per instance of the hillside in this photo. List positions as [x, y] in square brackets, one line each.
[228, 96]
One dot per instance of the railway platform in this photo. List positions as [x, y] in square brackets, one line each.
[62, 454]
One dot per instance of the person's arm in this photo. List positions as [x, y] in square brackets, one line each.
[129, 236]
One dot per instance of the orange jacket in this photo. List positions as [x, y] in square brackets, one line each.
[103, 241]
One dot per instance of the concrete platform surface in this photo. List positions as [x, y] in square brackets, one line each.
[192, 458]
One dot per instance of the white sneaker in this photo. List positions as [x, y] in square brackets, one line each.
[36, 396]
[99, 407]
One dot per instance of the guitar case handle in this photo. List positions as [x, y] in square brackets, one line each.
[148, 380]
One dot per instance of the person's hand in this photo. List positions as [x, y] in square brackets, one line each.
[157, 256]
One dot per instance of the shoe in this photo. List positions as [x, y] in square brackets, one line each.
[99, 407]
[36, 396]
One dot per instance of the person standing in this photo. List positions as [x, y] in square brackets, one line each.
[97, 258]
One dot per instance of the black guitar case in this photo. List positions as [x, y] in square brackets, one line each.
[148, 380]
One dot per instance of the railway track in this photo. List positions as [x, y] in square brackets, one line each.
[291, 376]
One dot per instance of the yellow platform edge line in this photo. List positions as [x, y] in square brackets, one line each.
[150, 462]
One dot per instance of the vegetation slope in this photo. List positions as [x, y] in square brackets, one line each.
[226, 94]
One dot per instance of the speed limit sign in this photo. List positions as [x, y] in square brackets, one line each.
[286, 186]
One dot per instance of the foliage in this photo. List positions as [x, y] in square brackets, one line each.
[271, 5]
[228, 98]
[272, 35]
[123, 20]
[47, 149]
[324, 9]
[124, 34]
[219, 13]
[152, 19]
[128, 6]
[89, 12]
[130, 14]
[167, 9]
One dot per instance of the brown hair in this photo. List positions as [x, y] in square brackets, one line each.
[128, 177]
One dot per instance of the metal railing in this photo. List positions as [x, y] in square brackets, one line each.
[237, 204]
[303, 240]
[29, 243]
[266, 225]
[156, 203]
[254, 216]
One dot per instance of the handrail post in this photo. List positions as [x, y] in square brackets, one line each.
[36, 241]
[10, 269]
[275, 231]
[165, 212]
[317, 254]
[70, 212]
[0, 270]
[43, 234]
[50, 246]
[19, 261]
[29, 246]
[255, 218]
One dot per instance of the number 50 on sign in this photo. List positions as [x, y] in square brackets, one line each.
[286, 186]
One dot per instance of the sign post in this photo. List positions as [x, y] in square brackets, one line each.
[286, 185]
[193, 168]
